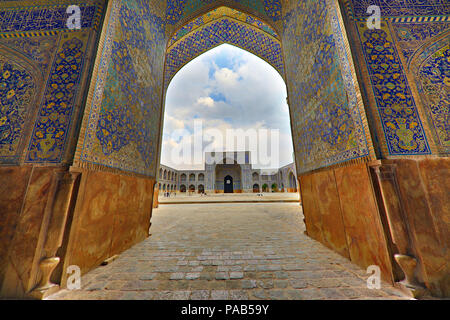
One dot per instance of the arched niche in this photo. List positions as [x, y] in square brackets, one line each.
[21, 89]
[430, 73]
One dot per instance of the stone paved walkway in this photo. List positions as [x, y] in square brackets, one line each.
[228, 251]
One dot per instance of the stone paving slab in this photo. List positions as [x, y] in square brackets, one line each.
[228, 251]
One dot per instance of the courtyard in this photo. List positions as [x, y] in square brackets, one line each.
[219, 251]
[227, 198]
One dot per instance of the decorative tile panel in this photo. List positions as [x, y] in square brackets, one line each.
[327, 119]
[37, 33]
[122, 122]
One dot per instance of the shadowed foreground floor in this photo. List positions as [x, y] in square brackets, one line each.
[228, 251]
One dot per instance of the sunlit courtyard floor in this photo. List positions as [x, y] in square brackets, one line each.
[187, 197]
[228, 251]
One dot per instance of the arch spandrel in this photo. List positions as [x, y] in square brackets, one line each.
[218, 13]
[242, 31]
[180, 12]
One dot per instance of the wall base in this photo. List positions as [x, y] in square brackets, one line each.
[377, 213]
[341, 212]
[52, 218]
[112, 214]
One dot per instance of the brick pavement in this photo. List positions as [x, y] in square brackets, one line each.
[228, 251]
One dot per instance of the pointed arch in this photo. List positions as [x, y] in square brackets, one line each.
[222, 25]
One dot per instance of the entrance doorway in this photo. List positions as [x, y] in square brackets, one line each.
[228, 184]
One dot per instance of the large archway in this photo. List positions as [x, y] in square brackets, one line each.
[95, 132]
[218, 26]
[121, 129]
[189, 32]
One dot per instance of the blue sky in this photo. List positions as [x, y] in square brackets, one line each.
[226, 88]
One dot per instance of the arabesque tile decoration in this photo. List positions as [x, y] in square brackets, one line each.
[425, 48]
[399, 116]
[219, 13]
[410, 36]
[405, 28]
[122, 122]
[401, 8]
[177, 9]
[17, 92]
[328, 125]
[40, 36]
[433, 81]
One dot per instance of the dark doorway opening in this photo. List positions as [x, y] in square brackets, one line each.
[228, 184]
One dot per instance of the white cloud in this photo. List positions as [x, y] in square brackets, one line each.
[206, 101]
[174, 123]
[226, 77]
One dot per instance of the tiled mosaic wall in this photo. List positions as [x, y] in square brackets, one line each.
[42, 68]
[432, 78]
[328, 121]
[121, 126]
[409, 71]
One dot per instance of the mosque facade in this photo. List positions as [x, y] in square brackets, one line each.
[229, 172]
